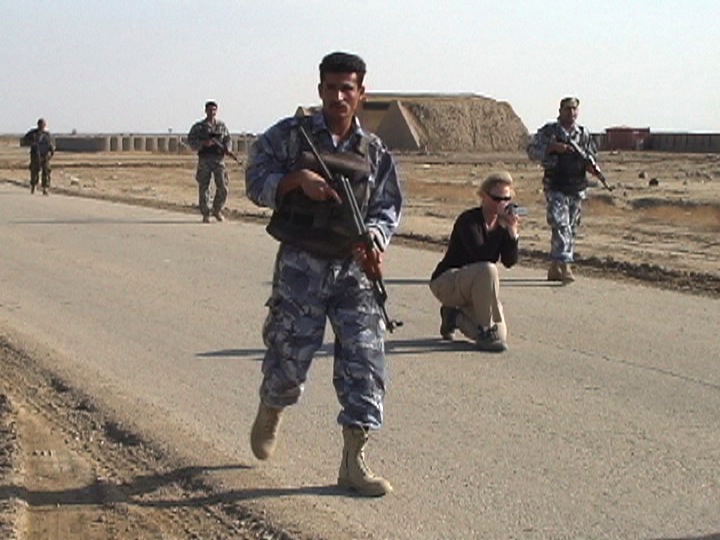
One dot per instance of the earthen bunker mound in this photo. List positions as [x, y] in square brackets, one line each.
[444, 123]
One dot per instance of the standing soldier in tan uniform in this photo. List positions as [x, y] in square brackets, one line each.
[41, 151]
[210, 138]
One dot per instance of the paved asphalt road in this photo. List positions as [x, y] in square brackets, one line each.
[601, 421]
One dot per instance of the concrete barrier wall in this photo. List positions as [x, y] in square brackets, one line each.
[685, 142]
[239, 144]
[151, 144]
[715, 143]
[82, 144]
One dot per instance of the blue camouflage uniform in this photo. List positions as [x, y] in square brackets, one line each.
[211, 163]
[565, 184]
[308, 288]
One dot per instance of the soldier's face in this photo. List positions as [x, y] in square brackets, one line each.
[341, 95]
[210, 112]
[568, 115]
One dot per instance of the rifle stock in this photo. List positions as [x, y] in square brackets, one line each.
[366, 238]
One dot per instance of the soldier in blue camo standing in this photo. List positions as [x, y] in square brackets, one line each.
[210, 138]
[320, 272]
[565, 183]
[41, 151]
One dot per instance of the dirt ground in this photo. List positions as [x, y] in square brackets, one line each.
[69, 471]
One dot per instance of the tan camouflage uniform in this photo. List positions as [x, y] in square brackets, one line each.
[211, 163]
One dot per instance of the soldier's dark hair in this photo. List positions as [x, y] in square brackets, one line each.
[210, 104]
[341, 62]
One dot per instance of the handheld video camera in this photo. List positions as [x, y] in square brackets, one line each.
[516, 210]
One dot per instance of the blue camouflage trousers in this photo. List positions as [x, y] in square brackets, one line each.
[563, 216]
[306, 291]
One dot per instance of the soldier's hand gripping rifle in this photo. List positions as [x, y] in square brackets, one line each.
[366, 239]
[589, 160]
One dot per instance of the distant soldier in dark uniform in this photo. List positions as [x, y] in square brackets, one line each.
[565, 182]
[210, 139]
[321, 272]
[41, 151]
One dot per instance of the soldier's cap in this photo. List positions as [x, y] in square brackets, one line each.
[569, 102]
[210, 104]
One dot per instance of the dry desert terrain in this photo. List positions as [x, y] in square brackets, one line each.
[663, 235]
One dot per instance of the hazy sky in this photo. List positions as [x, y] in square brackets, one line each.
[148, 66]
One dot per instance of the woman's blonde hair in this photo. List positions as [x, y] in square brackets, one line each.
[496, 178]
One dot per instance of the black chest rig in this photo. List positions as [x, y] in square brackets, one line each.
[209, 133]
[569, 175]
[323, 228]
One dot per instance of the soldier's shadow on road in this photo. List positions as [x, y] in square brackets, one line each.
[426, 345]
[257, 354]
[152, 491]
[392, 346]
[194, 477]
[506, 282]
[253, 354]
[406, 281]
[529, 282]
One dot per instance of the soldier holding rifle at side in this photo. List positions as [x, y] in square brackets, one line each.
[41, 151]
[323, 270]
[567, 153]
[210, 138]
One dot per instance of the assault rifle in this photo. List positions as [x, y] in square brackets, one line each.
[589, 160]
[366, 239]
[216, 141]
[225, 150]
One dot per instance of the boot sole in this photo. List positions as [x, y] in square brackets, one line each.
[379, 492]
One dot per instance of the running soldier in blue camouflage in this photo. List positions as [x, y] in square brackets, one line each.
[210, 139]
[41, 151]
[320, 271]
[565, 183]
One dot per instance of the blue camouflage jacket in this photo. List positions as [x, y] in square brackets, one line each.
[275, 152]
[562, 172]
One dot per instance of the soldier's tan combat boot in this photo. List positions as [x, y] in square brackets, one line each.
[354, 474]
[554, 273]
[566, 273]
[264, 431]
